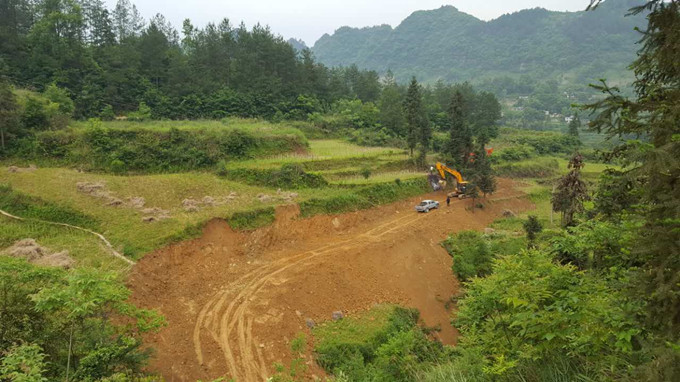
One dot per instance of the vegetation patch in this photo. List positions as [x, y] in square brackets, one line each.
[384, 343]
[289, 176]
[534, 168]
[363, 197]
[153, 150]
[30, 207]
[252, 219]
[473, 252]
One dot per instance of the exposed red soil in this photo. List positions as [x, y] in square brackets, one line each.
[234, 301]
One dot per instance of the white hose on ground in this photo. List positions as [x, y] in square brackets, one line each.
[100, 236]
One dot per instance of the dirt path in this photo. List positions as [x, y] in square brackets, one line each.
[235, 300]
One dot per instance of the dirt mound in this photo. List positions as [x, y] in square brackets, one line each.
[235, 300]
[281, 196]
[99, 190]
[59, 259]
[16, 169]
[136, 202]
[30, 250]
[155, 214]
[193, 205]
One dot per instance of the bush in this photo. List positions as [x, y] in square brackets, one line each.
[152, 150]
[290, 176]
[515, 153]
[550, 143]
[143, 113]
[545, 313]
[107, 113]
[472, 255]
[252, 219]
[384, 344]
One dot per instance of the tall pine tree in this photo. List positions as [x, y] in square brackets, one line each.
[417, 124]
[460, 143]
[654, 163]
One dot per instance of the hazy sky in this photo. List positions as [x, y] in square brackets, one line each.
[310, 19]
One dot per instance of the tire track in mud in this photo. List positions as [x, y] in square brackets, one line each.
[223, 324]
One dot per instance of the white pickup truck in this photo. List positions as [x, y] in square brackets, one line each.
[427, 205]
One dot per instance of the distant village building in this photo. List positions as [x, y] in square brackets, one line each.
[568, 119]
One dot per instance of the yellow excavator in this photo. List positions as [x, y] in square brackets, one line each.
[460, 186]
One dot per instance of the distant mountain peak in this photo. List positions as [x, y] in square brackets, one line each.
[297, 44]
[455, 46]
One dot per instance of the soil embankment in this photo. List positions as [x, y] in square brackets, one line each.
[233, 301]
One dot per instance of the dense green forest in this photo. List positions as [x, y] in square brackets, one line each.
[453, 46]
[111, 61]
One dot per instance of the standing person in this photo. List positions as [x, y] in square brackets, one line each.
[448, 201]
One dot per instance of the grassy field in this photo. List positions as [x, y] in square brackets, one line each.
[255, 126]
[339, 162]
[123, 225]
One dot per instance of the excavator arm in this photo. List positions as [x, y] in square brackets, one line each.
[443, 169]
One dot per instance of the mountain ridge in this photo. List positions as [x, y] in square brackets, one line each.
[451, 45]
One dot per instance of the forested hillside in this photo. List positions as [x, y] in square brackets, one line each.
[111, 60]
[447, 44]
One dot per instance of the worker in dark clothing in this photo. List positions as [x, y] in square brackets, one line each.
[448, 201]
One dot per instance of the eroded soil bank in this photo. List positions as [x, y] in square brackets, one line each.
[234, 300]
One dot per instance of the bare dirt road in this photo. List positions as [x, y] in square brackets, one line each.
[234, 301]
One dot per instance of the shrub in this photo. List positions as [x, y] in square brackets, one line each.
[518, 152]
[107, 113]
[532, 227]
[252, 219]
[364, 197]
[289, 176]
[550, 143]
[384, 344]
[365, 172]
[472, 254]
[545, 312]
[143, 113]
[152, 150]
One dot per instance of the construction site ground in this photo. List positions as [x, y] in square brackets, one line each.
[234, 300]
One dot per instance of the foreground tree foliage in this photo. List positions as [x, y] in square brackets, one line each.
[653, 163]
[533, 311]
[599, 298]
[60, 325]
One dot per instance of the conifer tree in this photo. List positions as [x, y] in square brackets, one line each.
[653, 162]
[571, 192]
[460, 144]
[418, 126]
[574, 126]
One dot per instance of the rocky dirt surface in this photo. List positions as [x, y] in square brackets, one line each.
[234, 300]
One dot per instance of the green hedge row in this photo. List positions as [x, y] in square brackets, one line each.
[152, 150]
[253, 219]
[289, 176]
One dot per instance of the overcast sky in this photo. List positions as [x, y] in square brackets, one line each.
[310, 19]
